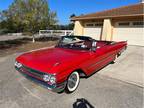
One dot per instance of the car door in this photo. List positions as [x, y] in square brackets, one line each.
[95, 60]
[99, 58]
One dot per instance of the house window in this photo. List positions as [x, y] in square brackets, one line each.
[89, 25]
[98, 24]
[124, 23]
[138, 23]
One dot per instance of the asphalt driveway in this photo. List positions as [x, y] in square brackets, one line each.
[100, 90]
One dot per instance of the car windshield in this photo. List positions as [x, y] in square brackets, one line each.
[75, 42]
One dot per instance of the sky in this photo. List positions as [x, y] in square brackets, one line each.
[65, 8]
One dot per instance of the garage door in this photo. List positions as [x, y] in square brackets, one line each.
[130, 31]
[93, 30]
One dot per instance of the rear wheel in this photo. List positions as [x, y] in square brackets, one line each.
[116, 56]
[72, 82]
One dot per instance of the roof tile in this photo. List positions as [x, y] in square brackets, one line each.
[131, 10]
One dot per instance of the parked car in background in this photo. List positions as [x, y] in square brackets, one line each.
[60, 68]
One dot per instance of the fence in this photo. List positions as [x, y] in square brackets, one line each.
[55, 32]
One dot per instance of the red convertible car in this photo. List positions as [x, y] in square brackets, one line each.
[60, 68]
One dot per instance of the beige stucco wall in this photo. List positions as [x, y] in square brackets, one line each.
[78, 28]
[107, 30]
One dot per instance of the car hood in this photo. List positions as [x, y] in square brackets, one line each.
[44, 60]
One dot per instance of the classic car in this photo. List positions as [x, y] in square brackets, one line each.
[60, 68]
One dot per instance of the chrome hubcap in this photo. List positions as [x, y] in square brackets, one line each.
[72, 81]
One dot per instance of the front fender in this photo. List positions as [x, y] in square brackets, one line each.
[63, 75]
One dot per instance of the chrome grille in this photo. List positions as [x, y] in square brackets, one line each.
[33, 72]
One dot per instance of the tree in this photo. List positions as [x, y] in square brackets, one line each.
[29, 16]
[72, 15]
[0, 15]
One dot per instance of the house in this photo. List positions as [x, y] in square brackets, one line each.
[118, 24]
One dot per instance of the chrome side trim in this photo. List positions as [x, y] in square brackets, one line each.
[101, 60]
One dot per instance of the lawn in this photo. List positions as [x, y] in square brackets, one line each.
[23, 45]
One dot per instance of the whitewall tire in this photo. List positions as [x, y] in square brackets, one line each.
[72, 82]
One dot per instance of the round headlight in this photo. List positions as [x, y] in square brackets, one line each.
[52, 80]
[18, 65]
[46, 78]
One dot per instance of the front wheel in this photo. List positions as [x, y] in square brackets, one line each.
[72, 82]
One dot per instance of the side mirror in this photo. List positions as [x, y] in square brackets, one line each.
[94, 45]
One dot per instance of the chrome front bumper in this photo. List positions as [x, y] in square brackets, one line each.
[55, 88]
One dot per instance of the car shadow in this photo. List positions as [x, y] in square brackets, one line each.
[82, 103]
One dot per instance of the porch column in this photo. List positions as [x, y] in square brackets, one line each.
[78, 28]
[107, 30]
